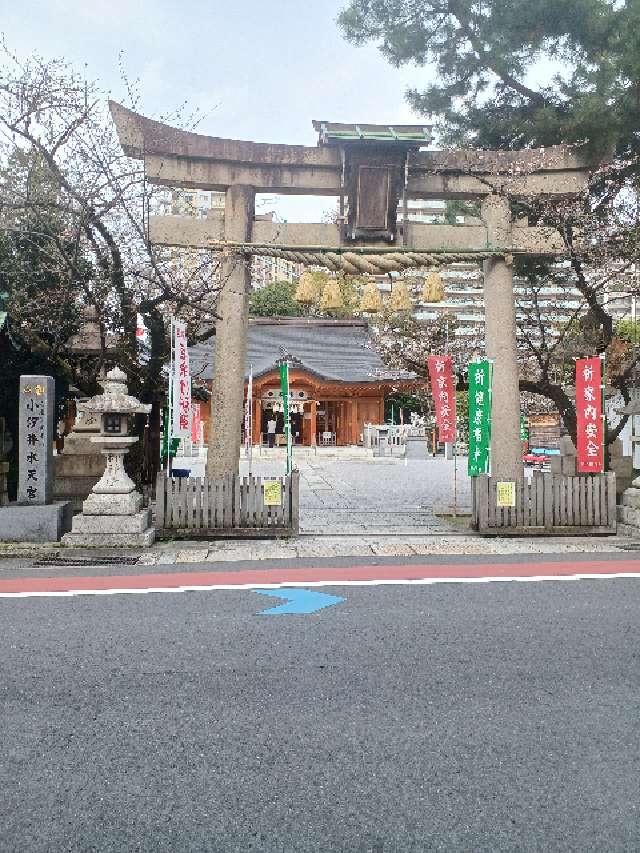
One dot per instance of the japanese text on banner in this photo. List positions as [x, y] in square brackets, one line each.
[590, 426]
[480, 377]
[181, 383]
[444, 395]
[284, 387]
[248, 404]
[196, 420]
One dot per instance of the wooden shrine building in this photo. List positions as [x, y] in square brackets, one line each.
[337, 381]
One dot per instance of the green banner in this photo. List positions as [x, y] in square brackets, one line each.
[524, 430]
[165, 437]
[284, 387]
[480, 376]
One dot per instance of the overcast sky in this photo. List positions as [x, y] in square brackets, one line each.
[260, 70]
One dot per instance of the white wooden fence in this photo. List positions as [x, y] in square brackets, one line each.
[233, 506]
[548, 504]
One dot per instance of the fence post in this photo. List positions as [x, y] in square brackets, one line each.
[547, 485]
[611, 501]
[160, 499]
[237, 500]
[482, 498]
[295, 501]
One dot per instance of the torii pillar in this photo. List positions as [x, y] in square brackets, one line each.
[227, 397]
[501, 346]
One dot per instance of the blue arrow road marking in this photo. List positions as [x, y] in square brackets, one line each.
[299, 601]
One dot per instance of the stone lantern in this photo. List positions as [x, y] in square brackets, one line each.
[112, 515]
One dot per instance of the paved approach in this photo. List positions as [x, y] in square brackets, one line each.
[377, 495]
[447, 716]
[353, 494]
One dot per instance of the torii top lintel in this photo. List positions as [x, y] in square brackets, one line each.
[179, 158]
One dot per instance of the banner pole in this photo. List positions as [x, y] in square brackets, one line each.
[170, 401]
[455, 475]
[454, 447]
[289, 436]
[603, 407]
[250, 418]
[284, 389]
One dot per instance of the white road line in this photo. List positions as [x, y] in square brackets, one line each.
[305, 584]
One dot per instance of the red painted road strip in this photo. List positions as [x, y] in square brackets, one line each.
[284, 575]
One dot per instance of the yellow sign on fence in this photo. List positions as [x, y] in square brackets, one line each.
[272, 493]
[505, 494]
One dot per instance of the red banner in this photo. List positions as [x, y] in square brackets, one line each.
[590, 449]
[196, 419]
[444, 395]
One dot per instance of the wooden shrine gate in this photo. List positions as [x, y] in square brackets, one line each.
[229, 506]
[548, 504]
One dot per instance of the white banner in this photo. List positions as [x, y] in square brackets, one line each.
[248, 425]
[181, 383]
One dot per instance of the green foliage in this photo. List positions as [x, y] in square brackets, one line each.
[457, 207]
[42, 270]
[482, 53]
[407, 402]
[515, 74]
[276, 299]
[628, 330]
[462, 406]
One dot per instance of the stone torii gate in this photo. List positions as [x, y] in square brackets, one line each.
[373, 170]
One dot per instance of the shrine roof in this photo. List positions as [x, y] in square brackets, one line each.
[335, 133]
[336, 350]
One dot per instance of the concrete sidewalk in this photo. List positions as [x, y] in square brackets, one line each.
[164, 553]
[312, 546]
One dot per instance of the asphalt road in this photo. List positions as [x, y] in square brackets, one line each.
[502, 716]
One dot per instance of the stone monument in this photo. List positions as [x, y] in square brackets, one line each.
[112, 515]
[565, 462]
[629, 511]
[622, 467]
[34, 517]
[80, 465]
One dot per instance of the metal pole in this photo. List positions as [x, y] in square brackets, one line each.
[455, 478]
[454, 448]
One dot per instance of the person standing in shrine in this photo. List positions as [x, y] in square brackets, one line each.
[271, 431]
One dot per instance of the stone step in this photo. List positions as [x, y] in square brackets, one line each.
[629, 515]
[112, 504]
[110, 540]
[79, 466]
[74, 485]
[631, 497]
[628, 530]
[106, 524]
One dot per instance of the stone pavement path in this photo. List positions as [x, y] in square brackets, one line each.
[356, 495]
